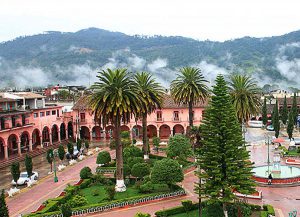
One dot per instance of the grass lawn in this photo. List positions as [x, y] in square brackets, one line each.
[194, 213]
[88, 194]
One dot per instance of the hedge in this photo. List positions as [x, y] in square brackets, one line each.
[106, 205]
[269, 209]
[180, 209]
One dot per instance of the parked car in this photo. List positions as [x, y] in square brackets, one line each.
[24, 178]
[270, 128]
[76, 153]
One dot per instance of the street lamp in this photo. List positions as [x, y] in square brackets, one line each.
[267, 142]
[53, 155]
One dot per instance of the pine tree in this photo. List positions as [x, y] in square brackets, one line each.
[3, 207]
[284, 112]
[290, 126]
[221, 167]
[294, 108]
[264, 112]
[275, 120]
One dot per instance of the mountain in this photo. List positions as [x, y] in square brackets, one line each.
[67, 57]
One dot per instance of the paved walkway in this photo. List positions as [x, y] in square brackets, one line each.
[32, 198]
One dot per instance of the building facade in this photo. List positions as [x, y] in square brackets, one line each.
[171, 119]
[27, 124]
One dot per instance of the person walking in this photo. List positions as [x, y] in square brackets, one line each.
[270, 179]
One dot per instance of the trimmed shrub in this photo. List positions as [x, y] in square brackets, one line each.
[134, 160]
[110, 191]
[61, 152]
[70, 148]
[77, 201]
[139, 214]
[132, 151]
[166, 171]
[86, 173]
[140, 170]
[187, 205]
[234, 208]
[28, 165]
[15, 171]
[126, 170]
[86, 144]
[79, 144]
[269, 209]
[103, 158]
[66, 210]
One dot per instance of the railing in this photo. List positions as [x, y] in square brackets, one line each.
[176, 119]
[82, 121]
[159, 120]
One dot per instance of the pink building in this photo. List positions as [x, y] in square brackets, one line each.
[26, 124]
[170, 120]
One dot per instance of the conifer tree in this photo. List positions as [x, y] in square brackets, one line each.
[284, 112]
[275, 120]
[290, 126]
[3, 207]
[28, 165]
[264, 112]
[294, 108]
[223, 159]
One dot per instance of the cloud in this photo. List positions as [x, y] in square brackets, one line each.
[288, 68]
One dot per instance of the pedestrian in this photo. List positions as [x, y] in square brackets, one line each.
[270, 179]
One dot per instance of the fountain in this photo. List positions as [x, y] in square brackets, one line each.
[282, 174]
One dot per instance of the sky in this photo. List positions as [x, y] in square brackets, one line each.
[216, 20]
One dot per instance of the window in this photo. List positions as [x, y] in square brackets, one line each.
[82, 116]
[42, 114]
[47, 113]
[36, 115]
[11, 106]
[159, 116]
[176, 116]
[53, 112]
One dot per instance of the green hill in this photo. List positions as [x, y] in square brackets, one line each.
[63, 57]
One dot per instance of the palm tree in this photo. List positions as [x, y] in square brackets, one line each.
[151, 94]
[115, 99]
[189, 88]
[245, 96]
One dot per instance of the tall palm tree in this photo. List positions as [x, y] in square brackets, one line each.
[115, 98]
[151, 94]
[245, 96]
[189, 88]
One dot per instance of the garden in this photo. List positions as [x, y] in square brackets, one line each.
[146, 180]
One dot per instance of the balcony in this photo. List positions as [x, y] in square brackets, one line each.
[82, 121]
[176, 119]
[159, 120]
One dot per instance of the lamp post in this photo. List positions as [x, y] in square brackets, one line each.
[77, 126]
[54, 154]
[267, 142]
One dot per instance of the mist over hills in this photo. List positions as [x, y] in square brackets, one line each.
[74, 58]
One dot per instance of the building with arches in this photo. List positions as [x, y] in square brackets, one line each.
[171, 119]
[27, 123]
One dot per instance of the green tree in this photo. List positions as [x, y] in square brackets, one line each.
[189, 88]
[86, 145]
[156, 142]
[294, 108]
[221, 167]
[290, 126]
[151, 94]
[61, 152]
[63, 94]
[166, 171]
[86, 173]
[115, 97]
[50, 157]
[140, 170]
[79, 144]
[3, 206]
[103, 158]
[131, 151]
[245, 96]
[179, 147]
[70, 148]
[275, 120]
[265, 112]
[28, 165]
[66, 210]
[15, 171]
[284, 111]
